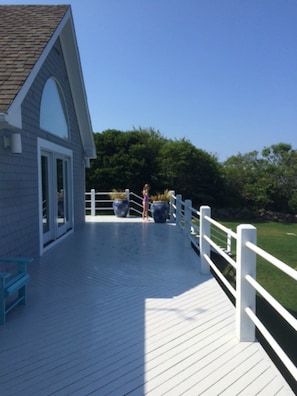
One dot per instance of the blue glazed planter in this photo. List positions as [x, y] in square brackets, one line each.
[120, 207]
[160, 210]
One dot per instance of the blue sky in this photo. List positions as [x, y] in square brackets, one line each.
[220, 73]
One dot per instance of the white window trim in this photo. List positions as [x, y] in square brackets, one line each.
[45, 145]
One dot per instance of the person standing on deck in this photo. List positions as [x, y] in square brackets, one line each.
[145, 201]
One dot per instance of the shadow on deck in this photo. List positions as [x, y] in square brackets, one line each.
[121, 308]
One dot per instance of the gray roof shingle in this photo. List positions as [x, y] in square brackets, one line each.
[25, 31]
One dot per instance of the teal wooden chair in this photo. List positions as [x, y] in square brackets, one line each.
[13, 284]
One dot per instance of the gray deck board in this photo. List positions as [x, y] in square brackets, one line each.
[120, 307]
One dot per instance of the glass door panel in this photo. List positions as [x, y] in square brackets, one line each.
[63, 194]
[55, 195]
[46, 205]
[60, 192]
[45, 193]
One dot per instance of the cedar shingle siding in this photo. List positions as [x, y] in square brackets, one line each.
[25, 32]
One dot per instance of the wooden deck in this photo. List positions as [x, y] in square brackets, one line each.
[120, 308]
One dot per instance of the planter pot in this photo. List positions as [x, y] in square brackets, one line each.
[120, 207]
[160, 210]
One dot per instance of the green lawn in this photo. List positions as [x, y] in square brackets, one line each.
[280, 240]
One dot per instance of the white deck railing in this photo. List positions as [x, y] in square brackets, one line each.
[101, 203]
[207, 235]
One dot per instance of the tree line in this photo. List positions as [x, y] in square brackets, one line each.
[255, 180]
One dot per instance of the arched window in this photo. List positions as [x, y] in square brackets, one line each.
[53, 116]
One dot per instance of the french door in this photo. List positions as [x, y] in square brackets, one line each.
[55, 193]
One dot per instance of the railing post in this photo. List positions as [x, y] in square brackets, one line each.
[127, 191]
[188, 216]
[245, 293]
[229, 243]
[204, 246]
[171, 207]
[178, 210]
[93, 203]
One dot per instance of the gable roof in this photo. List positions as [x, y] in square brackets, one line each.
[28, 33]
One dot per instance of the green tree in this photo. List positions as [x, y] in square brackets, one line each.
[190, 171]
[282, 171]
[124, 159]
[267, 181]
[132, 158]
[247, 181]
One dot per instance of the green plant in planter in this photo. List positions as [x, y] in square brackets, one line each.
[161, 197]
[160, 206]
[120, 203]
[115, 194]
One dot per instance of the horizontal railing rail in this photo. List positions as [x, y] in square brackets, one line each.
[238, 249]
[99, 203]
[136, 205]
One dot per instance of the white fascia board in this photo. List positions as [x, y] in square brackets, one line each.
[76, 80]
[66, 32]
[4, 122]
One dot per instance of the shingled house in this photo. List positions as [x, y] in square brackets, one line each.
[46, 138]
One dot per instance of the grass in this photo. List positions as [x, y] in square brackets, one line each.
[280, 240]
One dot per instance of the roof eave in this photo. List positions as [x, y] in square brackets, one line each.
[9, 122]
[76, 80]
[13, 118]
